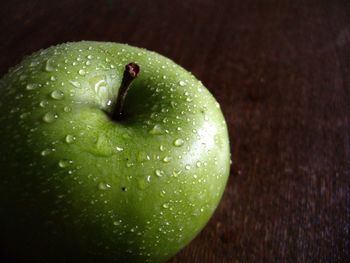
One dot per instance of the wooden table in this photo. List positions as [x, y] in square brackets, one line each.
[281, 72]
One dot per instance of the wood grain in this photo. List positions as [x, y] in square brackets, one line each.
[281, 72]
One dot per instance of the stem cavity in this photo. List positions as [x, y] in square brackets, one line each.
[130, 73]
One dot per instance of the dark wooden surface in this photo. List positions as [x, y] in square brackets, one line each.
[280, 70]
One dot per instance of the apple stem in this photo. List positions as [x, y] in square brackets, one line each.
[130, 73]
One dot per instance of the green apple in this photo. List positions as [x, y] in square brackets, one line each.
[79, 183]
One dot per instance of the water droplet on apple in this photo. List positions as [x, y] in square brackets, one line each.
[198, 164]
[182, 83]
[159, 173]
[46, 152]
[43, 103]
[129, 164]
[50, 117]
[119, 149]
[24, 115]
[89, 56]
[52, 78]
[156, 130]
[144, 182]
[70, 139]
[75, 83]
[103, 147]
[57, 95]
[176, 172]
[166, 159]
[67, 109]
[187, 167]
[31, 86]
[179, 142]
[81, 72]
[104, 186]
[162, 148]
[48, 66]
[19, 96]
[165, 205]
[64, 163]
[142, 156]
[117, 222]
[14, 110]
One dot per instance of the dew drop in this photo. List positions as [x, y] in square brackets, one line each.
[161, 148]
[143, 183]
[67, 109]
[142, 156]
[24, 115]
[159, 173]
[165, 205]
[57, 95]
[46, 152]
[19, 96]
[166, 159]
[129, 164]
[187, 167]
[32, 86]
[117, 223]
[104, 186]
[70, 139]
[119, 149]
[43, 103]
[178, 142]
[64, 163]
[198, 164]
[176, 172]
[50, 117]
[48, 66]
[81, 72]
[156, 130]
[182, 83]
[75, 83]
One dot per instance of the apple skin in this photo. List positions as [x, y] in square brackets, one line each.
[76, 186]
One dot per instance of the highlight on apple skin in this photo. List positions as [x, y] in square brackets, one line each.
[78, 184]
